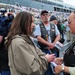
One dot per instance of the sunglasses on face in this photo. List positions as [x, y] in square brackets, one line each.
[69, 22]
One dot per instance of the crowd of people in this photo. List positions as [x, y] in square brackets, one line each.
[19, 54]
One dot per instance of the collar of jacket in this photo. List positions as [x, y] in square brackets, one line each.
[25, 37]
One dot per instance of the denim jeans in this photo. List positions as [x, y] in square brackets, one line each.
[49, 69]
[5, 73]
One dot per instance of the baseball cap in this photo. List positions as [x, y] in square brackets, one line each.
[43, 11]
[53, 18]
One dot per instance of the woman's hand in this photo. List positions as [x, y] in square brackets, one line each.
[58, 61]
[58, 69]
[50, 57]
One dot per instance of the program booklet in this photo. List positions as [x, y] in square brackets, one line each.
[61, 46]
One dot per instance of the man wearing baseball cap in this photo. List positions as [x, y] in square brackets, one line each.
[44, 11]
[42, 33]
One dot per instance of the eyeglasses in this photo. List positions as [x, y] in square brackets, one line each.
[69, 22]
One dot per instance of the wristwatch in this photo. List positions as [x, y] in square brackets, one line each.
[62, 68]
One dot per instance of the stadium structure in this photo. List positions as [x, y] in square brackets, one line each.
[51, 5]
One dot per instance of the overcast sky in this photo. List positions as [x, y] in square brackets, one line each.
[71, 2]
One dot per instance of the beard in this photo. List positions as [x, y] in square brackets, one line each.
[46, 19]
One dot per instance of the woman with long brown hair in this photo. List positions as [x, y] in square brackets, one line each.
[24, 57]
